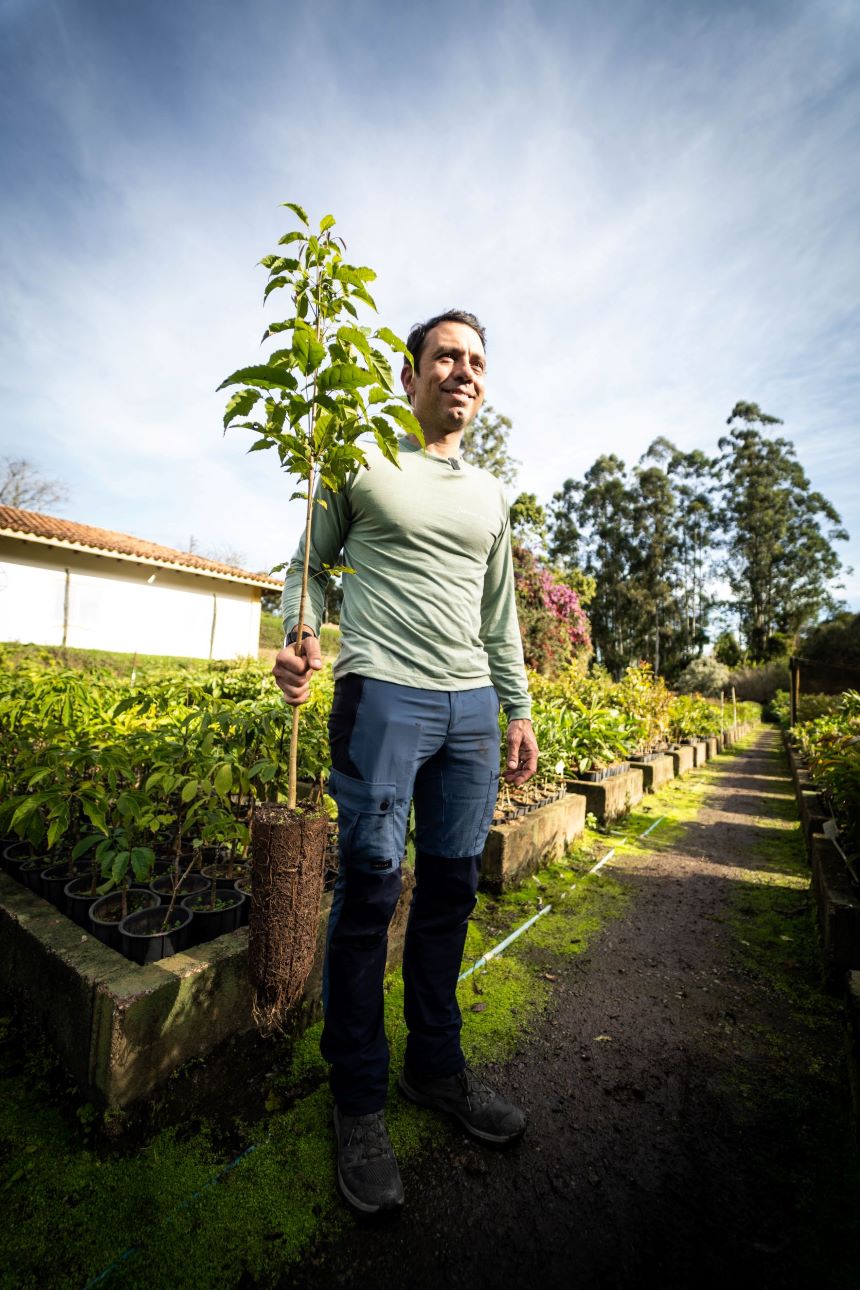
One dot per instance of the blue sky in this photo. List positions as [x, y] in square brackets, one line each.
[653, 208]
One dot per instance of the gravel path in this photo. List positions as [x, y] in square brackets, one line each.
[705, 1139]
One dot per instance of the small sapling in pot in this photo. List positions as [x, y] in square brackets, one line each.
[314, 398]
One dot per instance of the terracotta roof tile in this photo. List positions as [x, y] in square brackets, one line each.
[49, 527]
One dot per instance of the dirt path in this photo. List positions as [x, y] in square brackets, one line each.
[703, 1136]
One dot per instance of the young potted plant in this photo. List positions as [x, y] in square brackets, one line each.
[314, 398]
[218, 910]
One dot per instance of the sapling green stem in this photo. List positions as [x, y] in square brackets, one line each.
[294, 735]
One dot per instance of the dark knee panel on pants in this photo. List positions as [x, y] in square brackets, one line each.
[353, 1037]
[366, 906]
[453, 883]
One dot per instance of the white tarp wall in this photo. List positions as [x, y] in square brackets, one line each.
[123, 607]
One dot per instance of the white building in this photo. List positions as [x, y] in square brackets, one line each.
[69, 584]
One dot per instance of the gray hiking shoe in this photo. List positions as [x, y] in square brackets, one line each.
[479, 1108]
[367, 1172]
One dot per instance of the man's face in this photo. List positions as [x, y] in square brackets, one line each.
[447, 393]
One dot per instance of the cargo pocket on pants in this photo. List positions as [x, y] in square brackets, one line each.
[487, 816]
[366, 822]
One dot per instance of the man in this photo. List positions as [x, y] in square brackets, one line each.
[429, 648]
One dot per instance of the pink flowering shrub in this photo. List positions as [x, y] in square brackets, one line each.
[563, 603]
[553, 624]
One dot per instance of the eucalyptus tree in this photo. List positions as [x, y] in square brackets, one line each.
[692, 479]
[591, 528]
[528, 522]
[653, 562]
[314, 398]
[779, 560]
[485, 444]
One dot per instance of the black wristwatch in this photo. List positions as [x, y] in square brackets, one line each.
[293, 636]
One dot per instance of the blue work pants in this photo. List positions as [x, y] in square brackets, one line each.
[391, 745]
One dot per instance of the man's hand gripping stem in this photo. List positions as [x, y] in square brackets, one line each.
[293, 671]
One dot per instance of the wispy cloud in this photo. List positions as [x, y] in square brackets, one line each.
[653, 210]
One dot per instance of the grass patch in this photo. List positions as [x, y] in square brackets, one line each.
[271, 631]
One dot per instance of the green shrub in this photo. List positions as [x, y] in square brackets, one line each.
[706, 676]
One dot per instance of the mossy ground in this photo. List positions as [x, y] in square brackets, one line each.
[74, 1203]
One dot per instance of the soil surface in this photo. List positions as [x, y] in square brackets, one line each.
[688, 1123]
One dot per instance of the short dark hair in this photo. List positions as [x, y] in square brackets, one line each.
[420, 332]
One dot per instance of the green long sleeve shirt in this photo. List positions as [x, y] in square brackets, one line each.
[431, 603]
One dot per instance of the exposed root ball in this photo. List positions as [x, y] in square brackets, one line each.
[288, 868]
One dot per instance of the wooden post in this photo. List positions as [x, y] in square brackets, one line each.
[794, 690]
[734, 709]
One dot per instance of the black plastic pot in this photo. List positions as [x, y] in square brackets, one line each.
[142, 939]
[209, 923]
[31, 873]
[592, 776]
[189, 886]
[14, 856]
[222, 882]
[54, 881]
[243, 885]
[78, 899]
[107, 929]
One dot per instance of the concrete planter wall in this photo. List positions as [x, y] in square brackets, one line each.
[611, 797]
[700, 753]
[683, 760]
[122, 1029]
[661, 770]
[515, 850]
[838, 906]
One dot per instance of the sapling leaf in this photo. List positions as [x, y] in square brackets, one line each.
[295, 236]
[363, 294]
[406, 417]
[298, 210]
[142, 860]
[273, 285]
[321, 501]
[266, 376]
[386, 439]
[354, 336]
[387, 336]
[326, 222]
[307, 351]
[84, 845]
[189, 790]
[275, 328]
[240, 404]
[344, 376]
[119, 866]
[95, 816]
[223, 779]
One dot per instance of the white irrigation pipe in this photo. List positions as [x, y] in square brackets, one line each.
[503, 945]
[530, 922]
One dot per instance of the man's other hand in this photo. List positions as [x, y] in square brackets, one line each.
[293, 671]
[522, 756]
